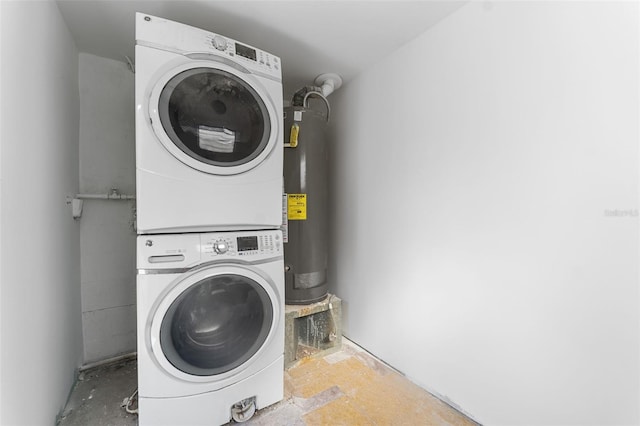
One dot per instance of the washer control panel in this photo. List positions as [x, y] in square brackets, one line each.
[249, 245]
[169, 251]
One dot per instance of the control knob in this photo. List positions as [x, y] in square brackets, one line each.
[219, 42]
[220, 247]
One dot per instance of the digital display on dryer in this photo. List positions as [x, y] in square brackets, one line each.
[245, 51]
[247, 243]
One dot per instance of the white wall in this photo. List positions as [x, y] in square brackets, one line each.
[476, 174]
[107, 236]
[1, 135]
[39, 251]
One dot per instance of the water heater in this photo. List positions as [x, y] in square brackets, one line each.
[306, 188]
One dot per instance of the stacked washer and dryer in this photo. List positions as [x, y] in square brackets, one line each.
[210, 283]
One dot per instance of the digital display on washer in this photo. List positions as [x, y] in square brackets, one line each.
[245, 51]
[247, 243]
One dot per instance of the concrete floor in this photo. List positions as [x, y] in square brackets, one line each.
[348, 387]
[98, 394]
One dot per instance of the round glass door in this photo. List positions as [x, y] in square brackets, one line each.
[216, 325]
[214, 117]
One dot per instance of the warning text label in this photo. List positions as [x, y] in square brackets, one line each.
[297, 206]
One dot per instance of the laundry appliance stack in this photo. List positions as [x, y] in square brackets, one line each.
[210, 283]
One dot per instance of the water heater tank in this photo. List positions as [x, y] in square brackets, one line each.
[305, 183]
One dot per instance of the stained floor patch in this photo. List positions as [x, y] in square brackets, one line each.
[351, 387]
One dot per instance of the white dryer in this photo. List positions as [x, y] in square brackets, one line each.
[208, 131]
[210, 326]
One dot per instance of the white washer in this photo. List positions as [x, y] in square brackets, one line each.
[208, 131]
[210, 326]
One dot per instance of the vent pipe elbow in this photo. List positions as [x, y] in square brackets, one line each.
[328, 83]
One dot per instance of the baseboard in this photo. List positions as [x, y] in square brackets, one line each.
[107, 361]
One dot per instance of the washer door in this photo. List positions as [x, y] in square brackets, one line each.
[213, 117]
[212, 323]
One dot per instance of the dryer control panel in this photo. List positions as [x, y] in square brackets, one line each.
[174, 36]
[245, 54]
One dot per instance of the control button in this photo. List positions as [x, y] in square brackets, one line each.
[220, 247]
[219, 42]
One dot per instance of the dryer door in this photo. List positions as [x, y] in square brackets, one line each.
[213, 323]
[213, 117]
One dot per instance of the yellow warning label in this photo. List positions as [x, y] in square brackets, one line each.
[297, 206]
